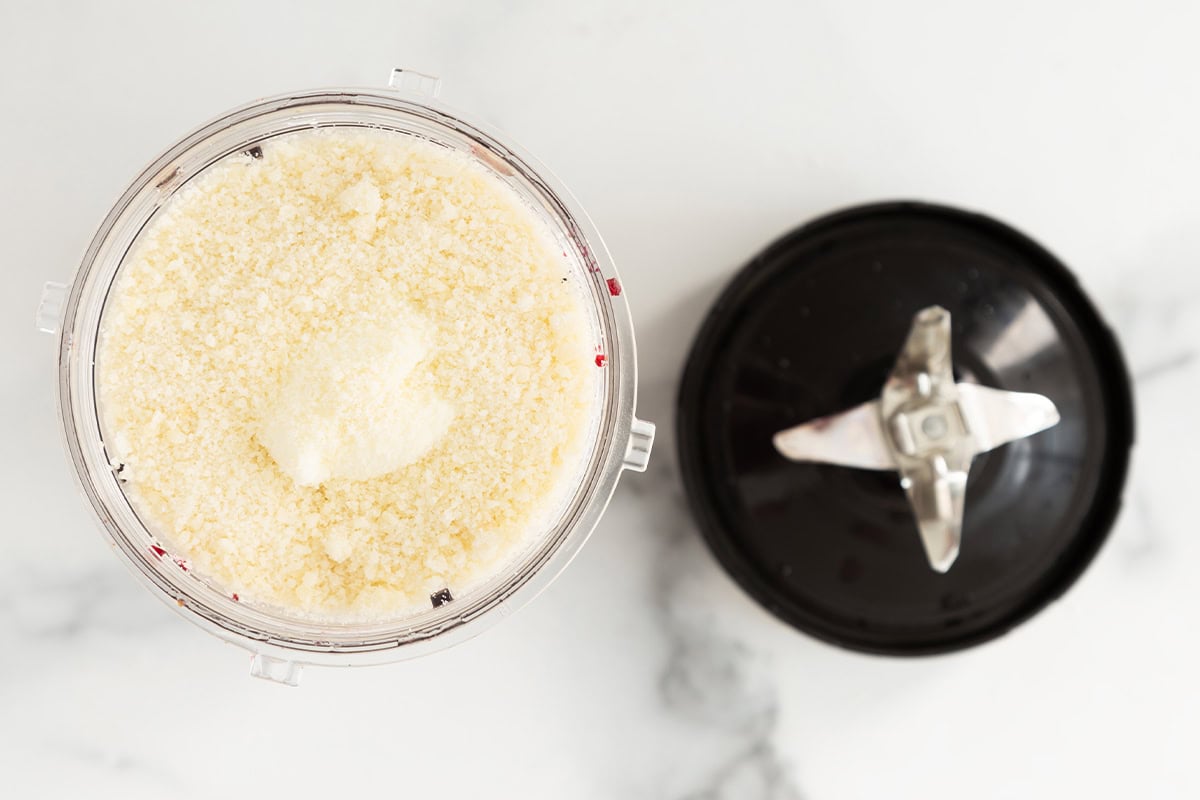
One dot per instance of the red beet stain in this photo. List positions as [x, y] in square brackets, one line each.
[614, 287]
[600, 359]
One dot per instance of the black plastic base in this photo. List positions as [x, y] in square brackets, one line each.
[811, 327]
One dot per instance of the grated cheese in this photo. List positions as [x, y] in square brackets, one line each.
[346, 375]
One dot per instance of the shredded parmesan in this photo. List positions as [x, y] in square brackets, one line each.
[347, 374]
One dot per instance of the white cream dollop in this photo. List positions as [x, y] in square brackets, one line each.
[351, 405]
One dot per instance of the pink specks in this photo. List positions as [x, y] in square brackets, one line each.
[159, 553]
[614, 287]
[601, 359]
[236, 599]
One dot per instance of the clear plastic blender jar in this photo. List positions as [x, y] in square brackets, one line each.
[281, 643]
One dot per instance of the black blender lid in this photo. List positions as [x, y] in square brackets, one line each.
[811, 327]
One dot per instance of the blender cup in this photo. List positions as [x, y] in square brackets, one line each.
[280, 642]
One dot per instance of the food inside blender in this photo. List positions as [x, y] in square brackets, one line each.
[345, 371]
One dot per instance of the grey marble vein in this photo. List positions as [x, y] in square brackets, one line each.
[1167, 366]
[128, 766]
[711, 678]
[753, 774]
[1143, 537]
[41, 605]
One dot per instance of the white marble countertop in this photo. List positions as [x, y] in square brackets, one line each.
[693, 139]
